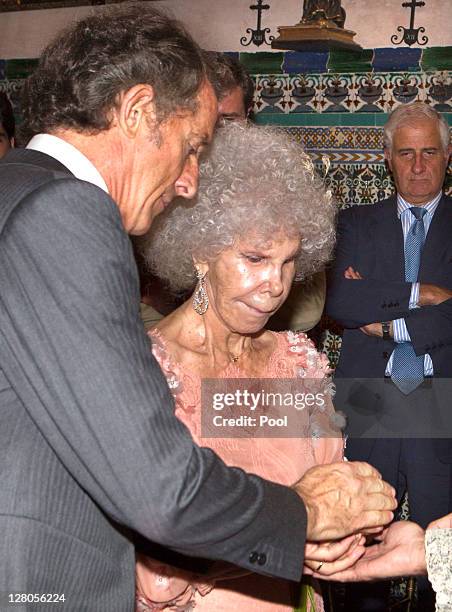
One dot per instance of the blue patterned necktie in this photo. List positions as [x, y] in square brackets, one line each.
[407, 368]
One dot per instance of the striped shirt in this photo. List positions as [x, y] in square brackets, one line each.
[401, 333]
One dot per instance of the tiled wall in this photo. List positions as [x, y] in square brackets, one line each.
[336, 104]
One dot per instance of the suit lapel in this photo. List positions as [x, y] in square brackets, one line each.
[389, 240]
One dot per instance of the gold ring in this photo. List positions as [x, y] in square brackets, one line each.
[320, 566]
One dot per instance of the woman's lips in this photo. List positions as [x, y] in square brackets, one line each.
[260, 311]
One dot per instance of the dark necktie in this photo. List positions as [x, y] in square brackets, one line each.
[408, 368]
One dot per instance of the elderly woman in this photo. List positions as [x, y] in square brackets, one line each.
[260, 218]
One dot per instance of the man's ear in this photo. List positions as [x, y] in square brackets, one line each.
[387, 154]
[449, 152]
[136, 108]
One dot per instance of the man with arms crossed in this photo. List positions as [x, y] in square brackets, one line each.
[391, 289]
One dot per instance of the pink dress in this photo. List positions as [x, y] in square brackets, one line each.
[282, 460]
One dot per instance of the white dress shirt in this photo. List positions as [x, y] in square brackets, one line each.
[69, 156]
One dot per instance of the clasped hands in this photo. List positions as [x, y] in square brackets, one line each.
[345, 502]
[399, 550]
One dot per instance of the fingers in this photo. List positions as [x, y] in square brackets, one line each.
[376, 501]
[445, 522]
[350, 273]
[373, 531]
[361, 468]
[379, 486]
[330, 551]
[343, 499]
[348, 575]
[326, 568]
[373, 519]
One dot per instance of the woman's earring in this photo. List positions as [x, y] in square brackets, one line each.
[200, 297]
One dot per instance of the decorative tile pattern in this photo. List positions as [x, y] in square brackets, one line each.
[339, 138]
[358, 174]
[371, 93]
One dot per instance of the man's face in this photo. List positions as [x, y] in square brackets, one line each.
[5, 142]
[166, 164]
[232, 106]
[418, 161]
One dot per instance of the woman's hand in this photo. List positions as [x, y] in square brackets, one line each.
[398, 551]
[331, 557]
[445, 522]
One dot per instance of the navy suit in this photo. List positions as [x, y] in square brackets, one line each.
[370, 239]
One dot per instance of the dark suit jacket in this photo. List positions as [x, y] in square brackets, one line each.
[370, 239]
[88, 436]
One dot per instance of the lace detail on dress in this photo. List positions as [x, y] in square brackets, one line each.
[184, 387]
[161, 354]
[145, 605]
[311, 363]
[438, 555]
[313, 366]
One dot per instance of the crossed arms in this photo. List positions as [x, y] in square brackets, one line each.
[356, 300]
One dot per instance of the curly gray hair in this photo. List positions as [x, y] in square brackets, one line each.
[256, 180]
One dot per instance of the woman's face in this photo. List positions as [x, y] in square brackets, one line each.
[249, 281]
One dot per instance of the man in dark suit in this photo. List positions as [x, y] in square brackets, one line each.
[391, 289]
[119, 110]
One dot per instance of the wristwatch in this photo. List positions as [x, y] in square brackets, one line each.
[386, 327]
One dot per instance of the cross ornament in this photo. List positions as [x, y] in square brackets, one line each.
[259, 35]
[411, 34]
[413, 4]
[259, 7]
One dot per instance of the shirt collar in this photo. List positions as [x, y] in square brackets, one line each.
[403, 205]
[69, 156]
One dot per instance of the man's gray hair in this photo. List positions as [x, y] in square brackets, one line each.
[256, 181]
[409, 114]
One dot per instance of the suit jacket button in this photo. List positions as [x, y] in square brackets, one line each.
[385, 354]
[383, 305]
[262, 559]
[254, 556]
